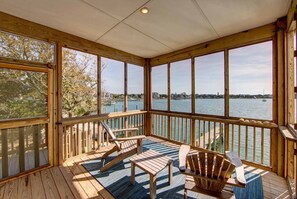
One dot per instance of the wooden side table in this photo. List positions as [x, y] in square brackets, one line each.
[152, 162]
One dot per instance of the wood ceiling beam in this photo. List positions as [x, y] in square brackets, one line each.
[255, 35]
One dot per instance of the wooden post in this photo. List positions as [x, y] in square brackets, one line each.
[58, 133]
[168, 102]
[193, 121]
[193, 85]
[147, 98]
[52, 144]
[280, 49]
[99, 94]
[226, 95]
[125, 87]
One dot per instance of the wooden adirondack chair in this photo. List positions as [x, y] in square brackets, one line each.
[208, 173]
[125, 147]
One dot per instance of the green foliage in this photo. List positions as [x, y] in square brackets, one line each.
[23, 48]
[79, 81]
[23, 94]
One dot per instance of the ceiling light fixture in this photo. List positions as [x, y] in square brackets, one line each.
[144, 10]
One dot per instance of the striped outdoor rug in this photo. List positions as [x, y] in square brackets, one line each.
[117, 179]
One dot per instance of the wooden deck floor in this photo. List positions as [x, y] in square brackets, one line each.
[72, 181]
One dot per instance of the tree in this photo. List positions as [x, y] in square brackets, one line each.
[79, 81]
[23, 94]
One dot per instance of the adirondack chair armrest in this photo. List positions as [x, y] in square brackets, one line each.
[239, 170]
[123, 130]
[139, 137]
[183, 152]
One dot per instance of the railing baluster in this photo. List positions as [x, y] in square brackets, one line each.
[221, 137]
[203, 134]
[209, 136]
[4, 143]
[89, 137]
[36, 145]
[254, 144]
[262, 145]
[178, 129]
[246, 142]
[11, 139]
[21, 149]
[214, 136]
[187, 133]
[71, 141]
[232, 137]
[239, 129]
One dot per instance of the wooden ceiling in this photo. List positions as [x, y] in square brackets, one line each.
[169, 26]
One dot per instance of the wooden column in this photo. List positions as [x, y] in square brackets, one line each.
[147, 97]
[58, 134]
[193, 123]
[226, 97]
[52, 144]
[125, 87]
[168, 102]
[99, 85]
[280, 74]
[193, 84]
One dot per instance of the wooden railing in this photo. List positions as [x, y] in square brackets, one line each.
[23, 146]
[249, 138]
[289, 136]
[82, 135]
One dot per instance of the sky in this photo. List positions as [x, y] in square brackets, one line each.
[250, 72]
[113, 77]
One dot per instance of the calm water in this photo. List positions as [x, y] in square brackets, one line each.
[247, 108]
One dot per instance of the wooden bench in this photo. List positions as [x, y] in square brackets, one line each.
[152, 163]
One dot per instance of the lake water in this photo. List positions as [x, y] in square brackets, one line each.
[246, 108]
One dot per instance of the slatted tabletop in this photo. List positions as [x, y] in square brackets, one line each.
[151, 161]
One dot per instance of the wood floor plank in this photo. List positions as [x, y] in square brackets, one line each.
[11, 190]
[37, 186]
[100, 189]
[73, 184]
[82, 179]
[73, 181]
[50, 188]
[61, 184]
[24, 188]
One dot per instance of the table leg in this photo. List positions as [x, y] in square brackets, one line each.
[139, 146]
[132, 178]
[170, 172]
[152, 186]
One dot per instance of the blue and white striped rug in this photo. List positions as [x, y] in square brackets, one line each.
[117, 179]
